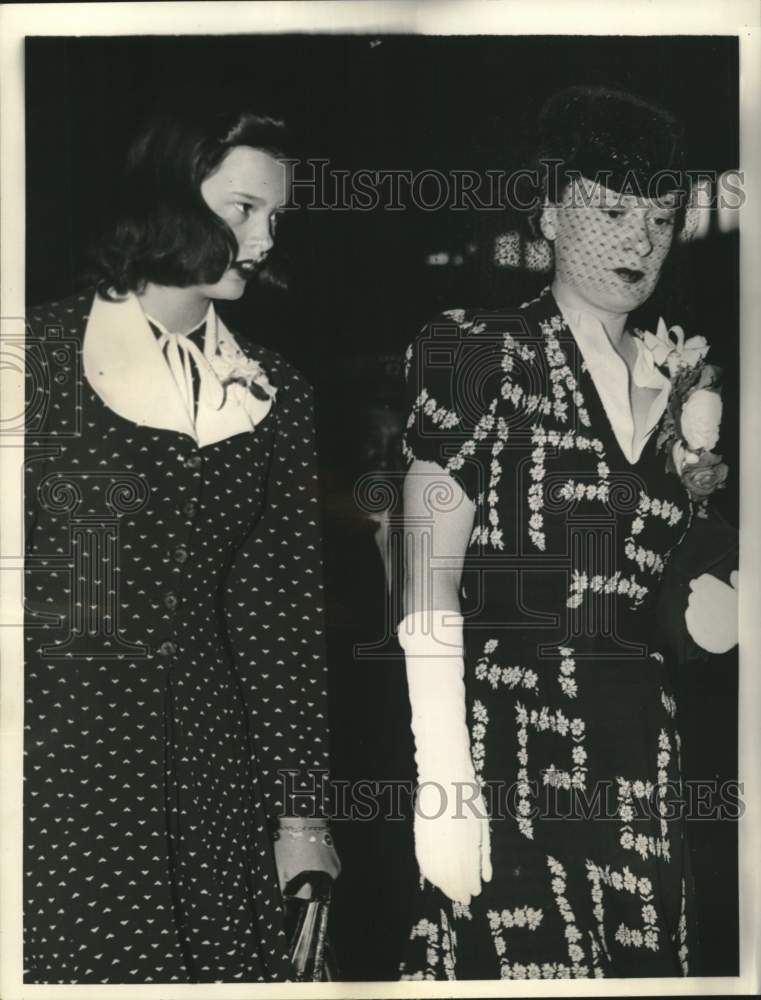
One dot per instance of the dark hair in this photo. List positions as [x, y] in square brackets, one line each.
[616, 138]
[163, 230]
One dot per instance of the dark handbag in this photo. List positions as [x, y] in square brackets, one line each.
[307, 928]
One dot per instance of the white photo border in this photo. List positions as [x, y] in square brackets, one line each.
[740, 18]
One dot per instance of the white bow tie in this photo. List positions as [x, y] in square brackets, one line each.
[181, 353]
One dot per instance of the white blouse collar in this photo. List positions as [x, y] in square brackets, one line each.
[126, 368]
[209, 320]
[610, 375]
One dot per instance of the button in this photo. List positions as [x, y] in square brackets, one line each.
[190, 508]
[171, 601]
[193, 462]
[180, 554]
[167, 648]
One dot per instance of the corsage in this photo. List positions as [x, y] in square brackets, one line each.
[691, 424]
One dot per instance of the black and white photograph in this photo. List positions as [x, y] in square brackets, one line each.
[379, 404]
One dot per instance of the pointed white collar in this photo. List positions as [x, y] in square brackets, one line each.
[610, 375]
[208, 319]
[126, 368]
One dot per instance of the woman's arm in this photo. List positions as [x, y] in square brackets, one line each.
[451, 822]
[275, 618]
[438, 523]
[275, 615]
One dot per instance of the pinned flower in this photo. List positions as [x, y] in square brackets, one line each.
[701, 471]
[703, 474]
[692, 421]
[701, 419]
[681, 456]
[235, 367]
[669, 347]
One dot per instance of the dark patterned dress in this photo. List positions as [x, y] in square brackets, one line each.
[569, 700]
[174, 664]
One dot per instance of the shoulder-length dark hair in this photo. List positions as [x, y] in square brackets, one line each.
[163, 231]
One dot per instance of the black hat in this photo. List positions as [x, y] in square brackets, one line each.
[625, 143]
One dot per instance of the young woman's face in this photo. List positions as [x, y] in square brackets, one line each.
[609, 248]
[247, 190]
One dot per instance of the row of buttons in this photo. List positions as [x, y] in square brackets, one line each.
[180, 555]
[171, 602]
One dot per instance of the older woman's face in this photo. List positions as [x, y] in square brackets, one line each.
[247, 190]
[609, 248]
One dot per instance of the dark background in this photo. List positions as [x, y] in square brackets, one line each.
[360, 287]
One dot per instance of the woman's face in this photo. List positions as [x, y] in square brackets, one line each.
[609, 247]
[248, 190]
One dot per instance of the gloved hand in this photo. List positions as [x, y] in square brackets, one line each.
[711, 615]
[452, 844]
[303, 845]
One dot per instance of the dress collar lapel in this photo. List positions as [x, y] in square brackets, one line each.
[125, 367]
[610, 377]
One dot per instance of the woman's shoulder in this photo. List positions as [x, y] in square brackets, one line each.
[491, 323]
[67, 316]
[476, 338]
[479, 321]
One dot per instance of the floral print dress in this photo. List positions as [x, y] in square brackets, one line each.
[569, 700]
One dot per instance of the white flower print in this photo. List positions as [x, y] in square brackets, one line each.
[458, 315]
[562, 473]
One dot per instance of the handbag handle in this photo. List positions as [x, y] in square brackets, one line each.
[321, 883]
[310, 951]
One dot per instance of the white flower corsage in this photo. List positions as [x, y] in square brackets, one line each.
[231, 365]
[669, 347]
[692, 420]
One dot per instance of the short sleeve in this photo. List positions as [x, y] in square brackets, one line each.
[452, 379]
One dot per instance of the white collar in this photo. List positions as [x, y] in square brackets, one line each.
[610, 375]
[125, 367]
[208, 320]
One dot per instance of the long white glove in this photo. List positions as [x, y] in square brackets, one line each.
[452, 843]
[711, 615]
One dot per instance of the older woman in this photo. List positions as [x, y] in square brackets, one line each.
[543, 498]
[175, 674]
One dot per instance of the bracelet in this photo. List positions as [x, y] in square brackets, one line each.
[297, 823]
[299, 833]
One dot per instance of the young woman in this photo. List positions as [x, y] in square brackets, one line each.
[548, 829]
[175, 676]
